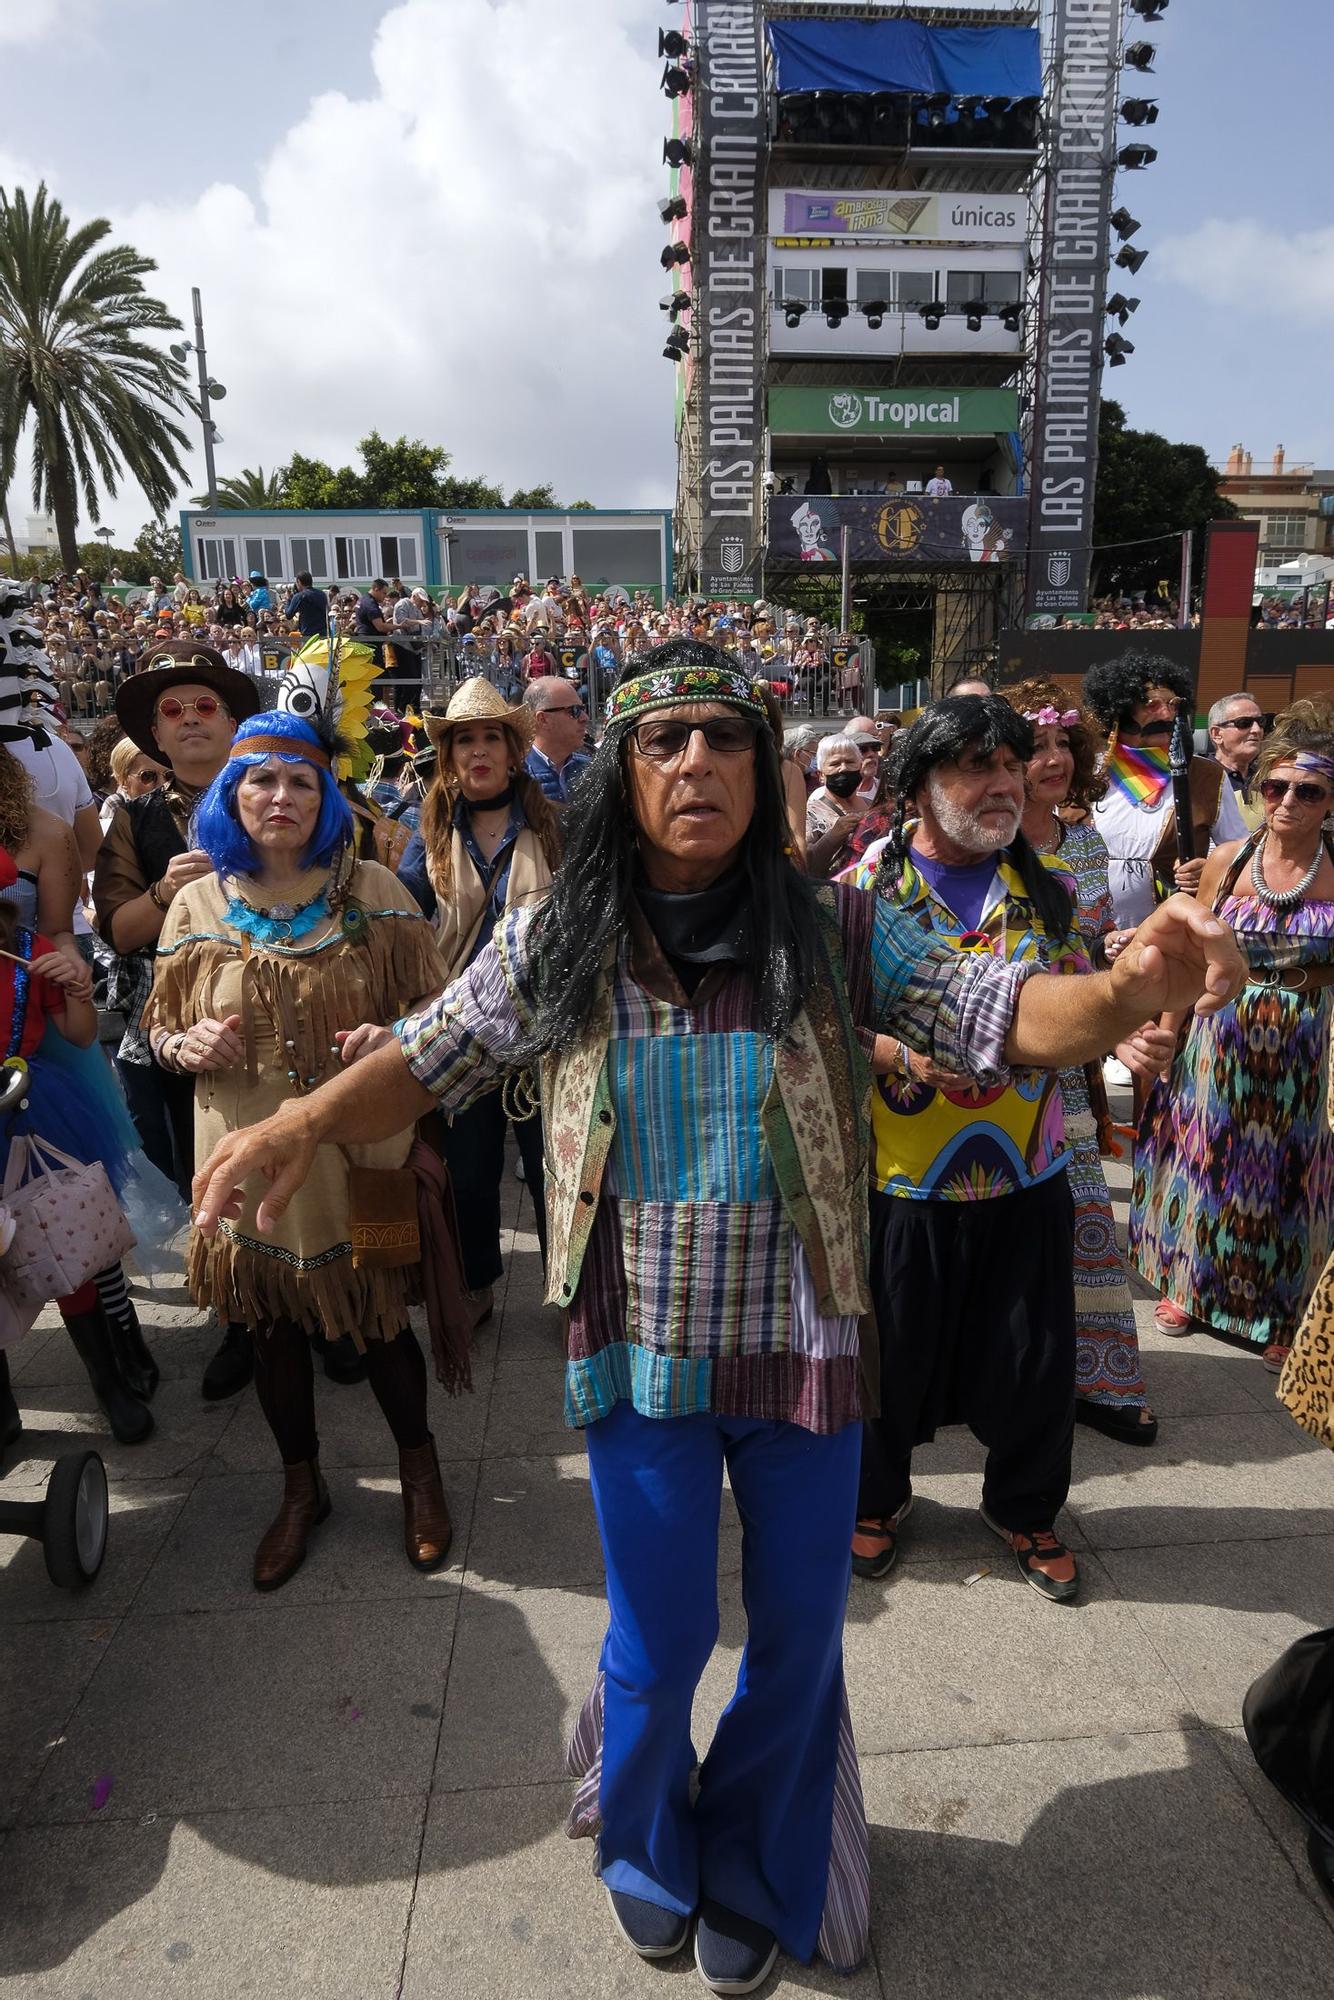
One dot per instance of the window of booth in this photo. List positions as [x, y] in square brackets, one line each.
[352, 558]
[216, 558]
[549, 554]
[264, 552]
[487, 554]
[310, 552]
[398, 556]
[628, 556]
[992, 288]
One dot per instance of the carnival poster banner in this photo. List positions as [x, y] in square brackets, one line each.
[907, 528]
[729, 230]
[824, 213]
[1081, 122]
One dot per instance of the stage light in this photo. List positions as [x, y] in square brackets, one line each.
[1124, 223]
[931, 315]
[1131, 260]
[793, 313]
[889, 118]
[1116, 348]
[1010, 317]
[935, 107]
[1140, 56]
[677, 153]
[1135, 157]
[674, 81]
[875, 310]
[675, 253]
[671, 42]
[1140, 111]
[678, 344]
[1149, 10]
[1121, 306]
[674, 209]
[674, 303]
[975, 311]
[835, 312]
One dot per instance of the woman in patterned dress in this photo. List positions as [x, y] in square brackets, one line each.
[1062, 782]
[1234, 1172]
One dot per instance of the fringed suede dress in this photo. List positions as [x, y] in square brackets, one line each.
[372, 958]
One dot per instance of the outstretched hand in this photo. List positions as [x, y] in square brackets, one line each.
[278, 1149]
[1180, 957]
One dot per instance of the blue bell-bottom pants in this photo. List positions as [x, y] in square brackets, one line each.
[758, 1836]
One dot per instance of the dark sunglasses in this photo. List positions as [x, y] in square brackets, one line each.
[563, 708]
[1273, 791]
[665, 741]
[1244, 722]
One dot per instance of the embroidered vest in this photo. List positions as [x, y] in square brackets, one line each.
[816, 1120]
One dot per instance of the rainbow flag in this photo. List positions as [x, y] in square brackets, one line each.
[1141, 775]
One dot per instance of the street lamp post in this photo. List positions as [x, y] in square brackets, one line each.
[209, 391]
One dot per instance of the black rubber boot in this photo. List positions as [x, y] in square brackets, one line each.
[134, 1363]
[131, 1421]
[11, 1423]
[231, 1367]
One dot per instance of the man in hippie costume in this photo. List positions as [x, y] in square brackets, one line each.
[712, 1261]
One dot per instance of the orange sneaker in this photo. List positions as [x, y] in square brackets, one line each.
[1275, 1355]
[1044, 1562]
[875, 1542]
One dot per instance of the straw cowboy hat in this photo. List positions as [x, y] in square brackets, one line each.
[477, 701]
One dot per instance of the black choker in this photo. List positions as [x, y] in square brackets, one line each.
[505, 798]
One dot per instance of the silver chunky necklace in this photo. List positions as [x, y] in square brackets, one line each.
[1281, 899]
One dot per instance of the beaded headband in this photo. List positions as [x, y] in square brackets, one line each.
[1311, 760]
[294, 748]
[672, 687]
[1050, 718]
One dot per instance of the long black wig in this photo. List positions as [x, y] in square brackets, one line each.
[1114, 688]
[942, 734]
[588, 909]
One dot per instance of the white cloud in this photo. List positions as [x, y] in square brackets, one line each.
[468, 254]
[24, 23]
[1248, 268]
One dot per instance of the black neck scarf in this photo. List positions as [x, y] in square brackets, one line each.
[702, 928]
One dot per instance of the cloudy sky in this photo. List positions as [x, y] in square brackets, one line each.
[438, 217]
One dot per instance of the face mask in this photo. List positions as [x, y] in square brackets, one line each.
[843, 783]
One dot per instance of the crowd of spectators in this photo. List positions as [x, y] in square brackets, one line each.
[96, 635]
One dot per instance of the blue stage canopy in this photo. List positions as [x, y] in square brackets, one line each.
[865, 56]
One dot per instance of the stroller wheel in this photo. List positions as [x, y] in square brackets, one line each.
[74, 1520]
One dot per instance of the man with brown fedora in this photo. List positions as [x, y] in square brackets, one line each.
[489, 841]
[182, 708]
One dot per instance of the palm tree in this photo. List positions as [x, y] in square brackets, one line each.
[248, 489]
[100, 398]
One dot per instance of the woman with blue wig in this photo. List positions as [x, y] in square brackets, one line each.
[263, 969]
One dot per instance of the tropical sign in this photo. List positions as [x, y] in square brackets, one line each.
[881, 413]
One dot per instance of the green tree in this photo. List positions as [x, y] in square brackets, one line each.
[248, 489]
[100, 398]
[405, 473]
[157, 550]
[1149, 492]
[533, 497]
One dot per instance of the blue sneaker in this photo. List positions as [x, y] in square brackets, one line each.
[653, 1931]
[733, 1954]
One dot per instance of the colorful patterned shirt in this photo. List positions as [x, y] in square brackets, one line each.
[972, 1144]
[695, 1293]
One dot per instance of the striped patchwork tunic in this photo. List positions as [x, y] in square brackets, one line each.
[706, 1263]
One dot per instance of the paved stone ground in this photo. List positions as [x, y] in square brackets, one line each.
[354, 1789]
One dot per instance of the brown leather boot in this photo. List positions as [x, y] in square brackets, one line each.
[306, 1503]
[427, 1529]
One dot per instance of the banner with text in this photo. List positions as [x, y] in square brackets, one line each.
[893, 413]
[1081, 126]
[728, 228]
[897, 528]
[921, 218]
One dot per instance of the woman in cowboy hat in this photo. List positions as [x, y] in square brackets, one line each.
[489, 841]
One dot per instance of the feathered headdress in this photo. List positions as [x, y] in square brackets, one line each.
[334, 693]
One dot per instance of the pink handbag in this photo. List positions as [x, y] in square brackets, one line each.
[68, 1223]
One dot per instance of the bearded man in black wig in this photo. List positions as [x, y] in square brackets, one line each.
[972, 1222]
[1135, 698]
[700, 1012]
